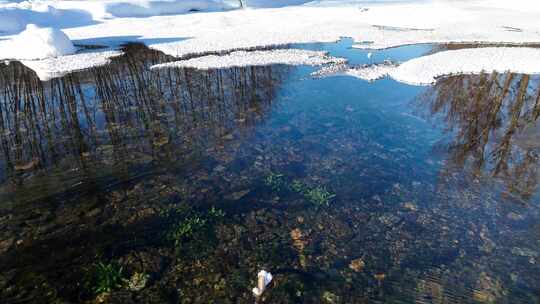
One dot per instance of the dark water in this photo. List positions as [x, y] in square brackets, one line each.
[125, 185]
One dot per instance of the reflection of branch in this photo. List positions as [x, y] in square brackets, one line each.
[66, 117]
[474, 106]
[515, 115]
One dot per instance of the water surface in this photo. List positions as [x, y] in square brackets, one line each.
[192, 181]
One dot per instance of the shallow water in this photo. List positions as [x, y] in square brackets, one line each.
[193, 181]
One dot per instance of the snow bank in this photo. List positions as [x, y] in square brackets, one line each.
[108, 9]
[373, 26]
[37, 43]
[64, 14]
[272, 3]
[56, 67]
[427, 69]
[255, 58]
[14, 17]
[381, 26]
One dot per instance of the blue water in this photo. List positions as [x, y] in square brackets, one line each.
[348, 191]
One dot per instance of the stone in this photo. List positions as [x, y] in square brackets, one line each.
[237, 195]
[525, 252]
[138, 281]
[228, 137]
[329, 297]
[30, 165]
[379, 276]
[514, 216]
[410, 206]
[357, 265]
[299, 241]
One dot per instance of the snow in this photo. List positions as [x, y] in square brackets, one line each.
[384, 26]
[14, 17]
[109, 9]
[426, 70]
[255, 58]
[272, 3]
[371, 72]
[49, 68]
[222, 28]
[37, 43]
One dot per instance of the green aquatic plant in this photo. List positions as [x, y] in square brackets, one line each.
[298, 187]
[319, 196]
[275, 181]
[108, 277]
[185, 229]
[215, 213]
[186, 223]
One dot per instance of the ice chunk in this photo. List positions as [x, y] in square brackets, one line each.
[255, 58]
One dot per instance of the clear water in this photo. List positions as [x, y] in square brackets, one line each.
[192, 181]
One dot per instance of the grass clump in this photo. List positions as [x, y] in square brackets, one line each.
[108, 278]
[275, 181]
[185, 229]
[186, 225]
[317, 195]
[299, 187]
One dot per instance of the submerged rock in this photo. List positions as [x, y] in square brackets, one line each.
[138, 281]
[410, 206]
[298, 238]
[237, 195]
[525, 252]
[329, 297]
[514, 216]
[357, 265]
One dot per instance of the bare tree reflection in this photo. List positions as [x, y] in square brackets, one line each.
[117, 114]
[494, 118]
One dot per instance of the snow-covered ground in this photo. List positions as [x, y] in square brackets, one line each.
[427, 69]
[172, 27]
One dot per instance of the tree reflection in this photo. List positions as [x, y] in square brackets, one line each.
[494, 119]
[113, 114]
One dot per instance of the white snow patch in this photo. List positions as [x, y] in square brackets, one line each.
[14, 17]
[37, 43]
[371, 72]
[384, 25]
[255, 58]
[108, 9]
[426, 70]
[381, 23]
[49, 68]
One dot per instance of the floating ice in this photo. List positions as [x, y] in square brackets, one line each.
[427, 69]
[56, 67]
[255, 58]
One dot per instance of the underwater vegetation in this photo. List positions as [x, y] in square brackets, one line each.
[186, 224]
[317, 195]
[275, 181]
[108, 277]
